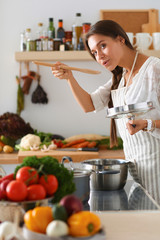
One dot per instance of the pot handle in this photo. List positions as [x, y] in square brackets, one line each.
[70, 161]
[66, 158]
[108, 172]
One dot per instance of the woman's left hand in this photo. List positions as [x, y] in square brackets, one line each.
[135, 126]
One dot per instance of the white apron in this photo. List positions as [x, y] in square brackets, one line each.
[142, 149]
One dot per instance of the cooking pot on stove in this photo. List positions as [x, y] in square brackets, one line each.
[81, 180]
[107, 174]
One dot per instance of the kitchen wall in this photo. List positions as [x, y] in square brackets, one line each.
[62, 115]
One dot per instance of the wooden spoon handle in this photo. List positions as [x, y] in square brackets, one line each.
[84, 70]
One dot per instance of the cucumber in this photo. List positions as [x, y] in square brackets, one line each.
[59, 212]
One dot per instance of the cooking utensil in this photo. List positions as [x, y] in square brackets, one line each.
[84, 70]
[81, 180]
[107, 174]
[78, 149]
[129, 111]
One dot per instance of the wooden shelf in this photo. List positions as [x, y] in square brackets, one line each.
[53, 56]
[64, 56]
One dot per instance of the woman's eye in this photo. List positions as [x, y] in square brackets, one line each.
[103, 45]
[94, 53]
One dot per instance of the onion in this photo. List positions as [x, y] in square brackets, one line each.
[72, 204]
[57, 228]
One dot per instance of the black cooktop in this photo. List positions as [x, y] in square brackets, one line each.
[131, 197]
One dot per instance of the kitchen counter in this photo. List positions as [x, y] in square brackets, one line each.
[127, 214]
[16, 158]
[131, 225]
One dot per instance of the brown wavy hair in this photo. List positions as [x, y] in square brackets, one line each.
[111, 29]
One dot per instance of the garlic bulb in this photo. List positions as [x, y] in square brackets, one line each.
[57, 228]
[52, 146]
[7, 230]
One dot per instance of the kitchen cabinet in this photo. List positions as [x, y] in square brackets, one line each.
[64, 55]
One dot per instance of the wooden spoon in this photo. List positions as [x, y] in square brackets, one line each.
[84, 70]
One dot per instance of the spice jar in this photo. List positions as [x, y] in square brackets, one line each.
[57, 43]
[86, 27]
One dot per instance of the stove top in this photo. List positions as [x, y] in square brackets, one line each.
[131, 197]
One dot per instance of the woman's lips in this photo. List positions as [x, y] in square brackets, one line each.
[105, 63]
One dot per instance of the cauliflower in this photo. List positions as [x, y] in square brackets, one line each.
[30, 140]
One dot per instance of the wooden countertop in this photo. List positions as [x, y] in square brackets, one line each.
[16, 158]
[132, 225]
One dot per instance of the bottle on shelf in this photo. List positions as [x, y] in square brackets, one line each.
[30, 43]
[86, 27]
[39, 36]
[50, 42]
[76, 30]
[51, 28]
[22, 42]
[68, 37]
[64, 46]
[45, 41]
[60, 30]
[80, 45]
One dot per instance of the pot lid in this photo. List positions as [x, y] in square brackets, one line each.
[131, 110]
[81, 172]
[105, 162]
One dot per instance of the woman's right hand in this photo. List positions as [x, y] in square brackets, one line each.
[61, 73]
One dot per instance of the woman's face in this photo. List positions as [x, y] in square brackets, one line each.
[106, 50]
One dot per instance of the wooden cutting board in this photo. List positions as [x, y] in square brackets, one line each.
[76, 156]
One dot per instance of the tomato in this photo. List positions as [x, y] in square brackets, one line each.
[28, 175]
[36, 192]
[16, 190]
[50, 183]
[59, 143]
[3, 187]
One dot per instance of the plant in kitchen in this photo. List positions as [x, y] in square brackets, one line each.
[50, 165]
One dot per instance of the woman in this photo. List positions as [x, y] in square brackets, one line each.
[136, 78]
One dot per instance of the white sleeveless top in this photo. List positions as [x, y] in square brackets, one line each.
[142, 148]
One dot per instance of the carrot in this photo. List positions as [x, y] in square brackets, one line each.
[92, 144]
[81, 145]
[70, 144]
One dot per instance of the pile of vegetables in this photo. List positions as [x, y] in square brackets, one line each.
[37, 178]
[13, 127]
[50, 165]
[64, 218]
[91, 140]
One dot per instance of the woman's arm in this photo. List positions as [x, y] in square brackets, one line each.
[141, 124]
[81, 96]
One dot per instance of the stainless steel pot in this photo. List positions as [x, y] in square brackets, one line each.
[107, 174]
[81, 180]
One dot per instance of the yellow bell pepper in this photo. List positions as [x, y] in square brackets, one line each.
[38, 219]
[83, 223]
